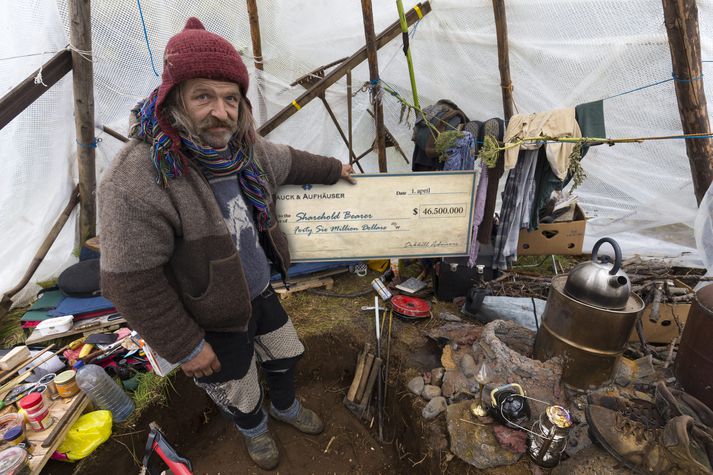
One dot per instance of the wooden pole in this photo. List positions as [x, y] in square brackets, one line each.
[501, 30]
[681, 19]
[371, 50]
[330, 78]
[257, 56]
[80, 36]
[350, 142]
[6, 301]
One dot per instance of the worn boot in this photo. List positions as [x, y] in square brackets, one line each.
[629, 441]
[673, 403]
[691, 448]
[303, 419]
[636, 409]
[263, 450]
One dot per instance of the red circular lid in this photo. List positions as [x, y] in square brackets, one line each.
[413, 307]
[31, 400]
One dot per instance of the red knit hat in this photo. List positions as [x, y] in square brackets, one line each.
[197, 53]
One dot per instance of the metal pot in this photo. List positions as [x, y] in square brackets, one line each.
[601, 284]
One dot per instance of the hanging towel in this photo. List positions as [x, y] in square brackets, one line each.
[554, 123]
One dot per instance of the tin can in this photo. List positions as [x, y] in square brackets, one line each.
[41, 389]
[381, 289]
[48, 380]
[66, 383]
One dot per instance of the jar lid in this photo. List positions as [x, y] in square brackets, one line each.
[12, 458]
[65, 377]
[31, 400]
[13, 433]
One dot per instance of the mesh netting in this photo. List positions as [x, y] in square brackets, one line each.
[562, 53]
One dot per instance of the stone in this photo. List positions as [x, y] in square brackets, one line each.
[416, 385]
[434, 407]
[475, 443]
[590, 461]
[437, 376]
[449, 317]
[515, 440]
[454, 382]
[468, 366]
[430, 391]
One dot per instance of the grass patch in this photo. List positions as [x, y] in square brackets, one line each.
[153, 390]
[542, 265]
[11, 333]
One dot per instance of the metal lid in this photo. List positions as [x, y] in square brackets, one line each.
[410, 307]
[65, 377]
[559, 416]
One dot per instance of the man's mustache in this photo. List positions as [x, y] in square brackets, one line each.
[212, 122]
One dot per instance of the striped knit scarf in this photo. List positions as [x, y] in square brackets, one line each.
[170, 162]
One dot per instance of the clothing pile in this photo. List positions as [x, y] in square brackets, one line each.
[538, 168]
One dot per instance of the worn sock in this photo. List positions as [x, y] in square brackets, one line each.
[261, 428]
[289, 413]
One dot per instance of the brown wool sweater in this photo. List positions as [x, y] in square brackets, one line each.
[168, 262]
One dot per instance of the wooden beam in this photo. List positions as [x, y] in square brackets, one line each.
[27, 92]
[354, 60]
[681, 19]
[501, 30]
[80, 34]
[257, 57]
[6, 302]
[373, 60]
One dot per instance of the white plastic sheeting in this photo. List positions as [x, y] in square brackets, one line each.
[562, 53]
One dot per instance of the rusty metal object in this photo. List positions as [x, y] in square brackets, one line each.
[589, 339]
[694, 362]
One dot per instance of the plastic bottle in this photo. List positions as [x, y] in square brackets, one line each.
[103, 391]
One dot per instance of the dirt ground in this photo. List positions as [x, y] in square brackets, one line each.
[334, 330]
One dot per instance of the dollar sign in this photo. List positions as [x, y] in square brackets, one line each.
[415, 211]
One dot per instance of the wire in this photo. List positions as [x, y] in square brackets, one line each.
[146, 37]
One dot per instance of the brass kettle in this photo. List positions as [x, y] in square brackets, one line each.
[601, 284]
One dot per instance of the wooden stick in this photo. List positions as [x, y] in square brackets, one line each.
[372, 59]
[80, 36]
[681, 20]
[501, 31]
[364, 377]
[63, 422]
[361, 361]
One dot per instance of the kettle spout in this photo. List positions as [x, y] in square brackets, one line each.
[617, 281]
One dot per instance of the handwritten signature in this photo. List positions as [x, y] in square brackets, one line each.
[430, 244]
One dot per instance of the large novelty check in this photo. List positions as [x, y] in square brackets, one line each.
[382, 216]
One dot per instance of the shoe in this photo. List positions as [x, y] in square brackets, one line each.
[306, 421]
[635, 409]
[673, 403]
[263, 450]
[690, 447]
[629, 441]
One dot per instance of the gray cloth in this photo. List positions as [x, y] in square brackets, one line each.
[238, 216]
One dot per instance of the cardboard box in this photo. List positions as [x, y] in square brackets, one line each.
[665, 330]
[554, 238]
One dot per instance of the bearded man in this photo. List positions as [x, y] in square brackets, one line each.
[189, 232]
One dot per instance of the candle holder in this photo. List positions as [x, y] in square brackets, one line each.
[482, 377]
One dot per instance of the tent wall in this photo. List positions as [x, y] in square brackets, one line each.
[562, 53]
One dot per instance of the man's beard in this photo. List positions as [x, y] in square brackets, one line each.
[217, 139]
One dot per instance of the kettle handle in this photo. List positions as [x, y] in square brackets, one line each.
[617, 253]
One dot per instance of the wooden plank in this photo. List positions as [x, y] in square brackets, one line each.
[316, 275]
[326, 282]
[27, 92]
[80, 34]
[354, 60]
[81, 326]
[66, 412]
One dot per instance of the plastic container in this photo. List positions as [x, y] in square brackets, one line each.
[10, 423]
[38, 416]
[103, 391]
[52, 326]
[14, 436]
[14, 461]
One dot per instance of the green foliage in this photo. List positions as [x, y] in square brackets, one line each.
[489, 151]
[446, 140]
[575, 166]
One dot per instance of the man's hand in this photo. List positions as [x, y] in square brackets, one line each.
[204, 364]
[346, 175]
